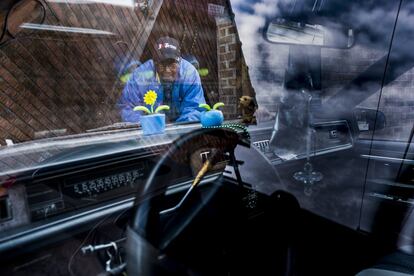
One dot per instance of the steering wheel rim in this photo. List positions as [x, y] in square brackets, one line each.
[145, 243]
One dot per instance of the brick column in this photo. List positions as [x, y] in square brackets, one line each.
[227, 66]
[233, 74]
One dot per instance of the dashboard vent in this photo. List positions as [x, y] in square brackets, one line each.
[262, 145]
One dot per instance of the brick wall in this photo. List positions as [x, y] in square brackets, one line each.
[233, 75]
[52, 80]
[67, 80]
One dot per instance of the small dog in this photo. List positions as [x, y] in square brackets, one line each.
[248, 106]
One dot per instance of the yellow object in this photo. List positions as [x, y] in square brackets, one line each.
[150, 97]
[125, 78]
[204, 169]
[203, 72]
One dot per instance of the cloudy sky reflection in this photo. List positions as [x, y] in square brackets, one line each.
[358, 71]
[376, 72]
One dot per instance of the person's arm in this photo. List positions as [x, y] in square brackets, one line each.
[131, 97]
[193, 96]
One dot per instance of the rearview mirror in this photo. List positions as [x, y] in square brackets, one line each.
[282, 31]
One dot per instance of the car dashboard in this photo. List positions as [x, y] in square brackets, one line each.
[68, 193]
[93, 176]
[53, 200]
[77, 185]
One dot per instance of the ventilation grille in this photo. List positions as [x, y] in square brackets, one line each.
[262, 145]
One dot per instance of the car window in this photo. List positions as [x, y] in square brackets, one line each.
[78, 80]
[66, 64]
[321, 94]
[81, 67]
[333, 82]
[395, 104]
[396, 101]
[315, 98]
[389, 171]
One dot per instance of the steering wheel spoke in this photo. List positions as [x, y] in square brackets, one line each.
[156, 226]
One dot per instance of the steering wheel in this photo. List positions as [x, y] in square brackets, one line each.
[148, 235]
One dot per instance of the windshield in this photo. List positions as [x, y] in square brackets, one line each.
[71, 68]
[74, 70]
[124, 112]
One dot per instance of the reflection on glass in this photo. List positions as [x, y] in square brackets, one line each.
[295, 33]
[126, 3]
[299, 33]
[56, 28]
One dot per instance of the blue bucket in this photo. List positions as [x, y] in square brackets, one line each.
[153, 124]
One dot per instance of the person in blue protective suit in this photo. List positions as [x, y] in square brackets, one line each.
[175, 80]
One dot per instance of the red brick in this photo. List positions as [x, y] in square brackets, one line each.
[230, 100]
[233, 47]
[224, 83]
[227, 109]
[227, 39]
[224, 24]
[227, 57]
[231, 30]
[228, 91]
[229, 73]
[224, 65]
[233, 64]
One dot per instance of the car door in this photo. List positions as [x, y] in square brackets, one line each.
[319, 154]
[388, 196]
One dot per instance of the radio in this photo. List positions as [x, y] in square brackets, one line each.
[70, 192]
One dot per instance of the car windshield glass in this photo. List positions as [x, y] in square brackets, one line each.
[75, 70]
[128, 126]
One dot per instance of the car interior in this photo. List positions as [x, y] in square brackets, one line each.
[311, 172]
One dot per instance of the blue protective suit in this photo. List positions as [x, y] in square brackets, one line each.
[187, 92]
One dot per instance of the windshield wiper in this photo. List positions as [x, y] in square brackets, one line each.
[115, 126]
